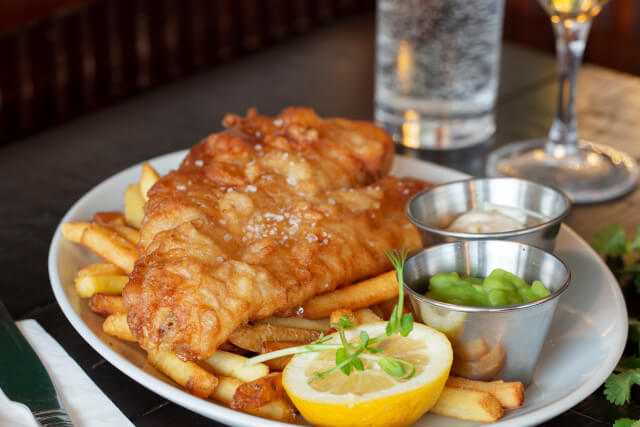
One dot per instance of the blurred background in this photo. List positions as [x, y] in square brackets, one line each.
[62, 58]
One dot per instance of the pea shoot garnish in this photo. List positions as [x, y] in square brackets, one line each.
[350, 355]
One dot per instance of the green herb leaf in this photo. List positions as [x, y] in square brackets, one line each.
[626, 422]
[344, 322]
[364, 338]
[412, 373]
[391, 366]
[375, 349]
[341, 358]
[389, 328]
[357, 363]
[406, 324]
[610, 240]
[395, 324]
[617, 388]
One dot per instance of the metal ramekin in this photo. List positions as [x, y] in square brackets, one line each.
[489, 342]
[431, 211]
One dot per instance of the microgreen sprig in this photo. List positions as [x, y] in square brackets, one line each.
[349, 355]
[398, 323]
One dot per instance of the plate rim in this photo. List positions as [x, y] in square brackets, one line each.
[227, 415]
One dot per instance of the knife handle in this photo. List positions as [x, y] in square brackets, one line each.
[53, 418]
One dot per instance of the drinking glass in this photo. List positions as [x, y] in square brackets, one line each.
[437, 65]
[586, 171]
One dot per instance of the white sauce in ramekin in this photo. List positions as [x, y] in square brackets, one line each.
[494, 219]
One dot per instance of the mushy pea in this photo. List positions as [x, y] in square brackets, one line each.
[497, 289]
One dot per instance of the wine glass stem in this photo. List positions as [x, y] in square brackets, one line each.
[571, 37]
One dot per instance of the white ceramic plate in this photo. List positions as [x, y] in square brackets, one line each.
[586, 338]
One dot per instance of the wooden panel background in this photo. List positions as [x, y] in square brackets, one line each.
[65, 57]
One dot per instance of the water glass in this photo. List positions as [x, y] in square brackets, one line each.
[437, 64]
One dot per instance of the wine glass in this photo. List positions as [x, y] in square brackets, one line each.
[586, 171]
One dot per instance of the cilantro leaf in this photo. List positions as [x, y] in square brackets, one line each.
[610, 240]
[626, 422]
[617, 388]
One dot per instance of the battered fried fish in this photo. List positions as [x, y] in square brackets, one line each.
[257, 220]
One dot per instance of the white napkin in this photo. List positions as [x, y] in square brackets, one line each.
[86, 404]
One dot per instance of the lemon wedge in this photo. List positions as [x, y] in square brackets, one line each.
[371, 397]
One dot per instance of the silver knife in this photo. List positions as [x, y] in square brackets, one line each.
[23, 377]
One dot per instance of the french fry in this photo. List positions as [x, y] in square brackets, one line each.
[109, 219]
[469, 405]
[387, 307]
[378, 311]
[279, 410]
[359, 295]
[338, 314]
[188, 374]
[111, 246]
[365, 315]
[227, 346]
[225, 389]
[251, 337]
[100, 269]
[257, 393]
[298, 322]
[72, 231]
[359, 317]
[279, 363]
[471, 350]
[484, 368]
[116, 326]
[232, 365]
[133, 205]
[102, 284]
[129, 233]
[148, 177]
[106, 304]
[509, 394]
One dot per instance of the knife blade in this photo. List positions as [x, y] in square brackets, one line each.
[23, 377]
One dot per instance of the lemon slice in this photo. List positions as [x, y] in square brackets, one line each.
[371, 397]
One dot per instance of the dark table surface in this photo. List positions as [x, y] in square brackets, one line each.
[330, 70]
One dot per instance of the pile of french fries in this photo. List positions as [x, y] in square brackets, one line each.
[257, 389]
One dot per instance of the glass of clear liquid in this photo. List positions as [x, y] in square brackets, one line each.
[437, 64]
[586, 171]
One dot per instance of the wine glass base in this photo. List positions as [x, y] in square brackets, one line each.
[593, 173]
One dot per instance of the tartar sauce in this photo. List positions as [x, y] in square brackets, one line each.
[484, 221]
